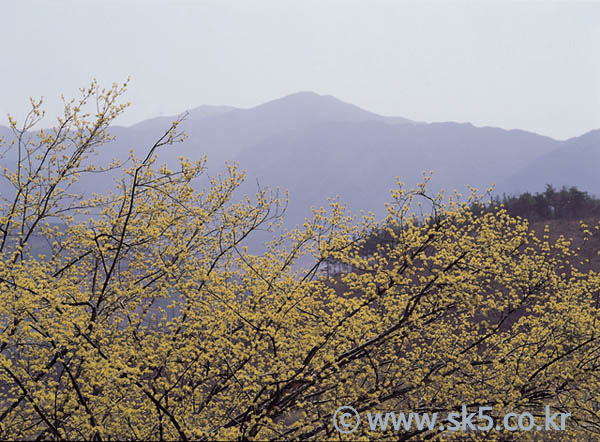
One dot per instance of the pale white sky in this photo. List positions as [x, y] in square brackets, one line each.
[530, 65]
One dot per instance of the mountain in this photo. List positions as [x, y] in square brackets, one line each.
[574, 163]
[318, 146]
[223, 132]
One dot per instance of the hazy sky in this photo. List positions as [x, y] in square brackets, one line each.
[529, 65]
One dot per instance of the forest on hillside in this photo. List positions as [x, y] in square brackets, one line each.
[552, 204]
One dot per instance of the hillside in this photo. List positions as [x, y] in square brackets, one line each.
[360, 161]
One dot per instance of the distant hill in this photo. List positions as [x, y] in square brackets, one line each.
[318, 146]
[574, 162]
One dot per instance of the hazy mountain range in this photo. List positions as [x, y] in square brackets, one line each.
[318, 146]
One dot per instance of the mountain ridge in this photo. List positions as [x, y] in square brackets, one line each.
[319, 146]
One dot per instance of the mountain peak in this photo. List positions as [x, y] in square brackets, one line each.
[302, 94]
[313, 107]
[305, 98]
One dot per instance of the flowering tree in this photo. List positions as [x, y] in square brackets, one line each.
[148, 318]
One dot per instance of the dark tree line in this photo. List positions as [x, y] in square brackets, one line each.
[566, 203]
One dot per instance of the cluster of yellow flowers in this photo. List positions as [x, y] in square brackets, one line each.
[148, 318]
